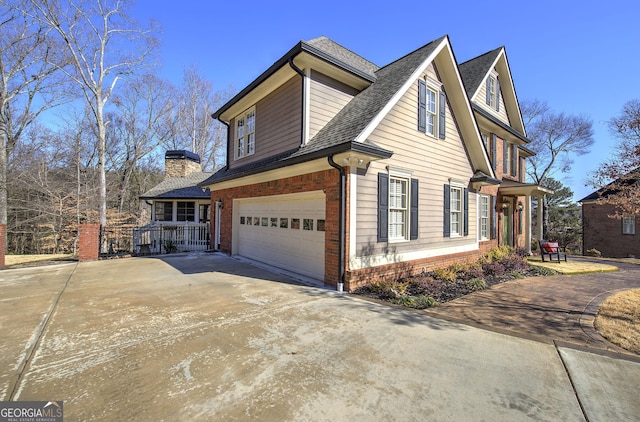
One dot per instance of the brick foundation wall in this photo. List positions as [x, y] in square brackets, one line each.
[89, 242]
[605, 234]
[3, 243]
[357, 278]
[327, 180]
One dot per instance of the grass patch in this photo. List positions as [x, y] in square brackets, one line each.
[572, 267]
[618, 319]
[10, 260]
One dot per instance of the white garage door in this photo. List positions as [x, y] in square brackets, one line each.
[284, 231]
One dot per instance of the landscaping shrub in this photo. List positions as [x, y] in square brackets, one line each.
[493, 269]
[593, 252]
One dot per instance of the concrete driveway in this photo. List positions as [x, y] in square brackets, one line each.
[205, 337]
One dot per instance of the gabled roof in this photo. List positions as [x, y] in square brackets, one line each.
[349, 128]
[475, 71]
[180, 188]
[343, 55]
[614, 187]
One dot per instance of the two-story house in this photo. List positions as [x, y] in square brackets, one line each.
[344, 171]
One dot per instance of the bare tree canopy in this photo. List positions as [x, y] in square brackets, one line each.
[193, 127]
[104, 44]
[29, 59]
[621, 172]
[556, 138]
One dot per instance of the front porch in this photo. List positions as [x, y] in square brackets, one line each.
[159, 237]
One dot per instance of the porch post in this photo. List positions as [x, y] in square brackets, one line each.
[539, 217]
[527, 226]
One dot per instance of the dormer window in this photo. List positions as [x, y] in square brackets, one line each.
[246, 133]
[493, 91]
[431, 109]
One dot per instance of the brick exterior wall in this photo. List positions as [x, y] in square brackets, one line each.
[357, 278]
[327, 180]
[89, 242]
[3, 243]
[605, 234]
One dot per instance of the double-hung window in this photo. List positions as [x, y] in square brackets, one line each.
[493, 91]
[398, 208]
[484, 217]
[246, 133]
[431, 109]
[629, 224]
[456, 211]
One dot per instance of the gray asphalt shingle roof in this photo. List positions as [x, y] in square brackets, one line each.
[343, 129]
[179, 188]
[344, 55]
[474, 71]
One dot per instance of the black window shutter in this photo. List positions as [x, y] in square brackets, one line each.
[442, 118]
[413, 213]
[488, 86]
[465, 198]
[383, 207]
[494, 153]
[514, 159]
[505, 162]
[494, 217]
[447, 211]
[422, 106]
[497, 95]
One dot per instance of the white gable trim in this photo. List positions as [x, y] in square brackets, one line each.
[398, 95]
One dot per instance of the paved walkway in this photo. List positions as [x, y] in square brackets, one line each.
[206, 337]
[557, 308]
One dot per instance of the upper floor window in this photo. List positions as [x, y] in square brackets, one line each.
[493, 92]
[629, 224]
[246, 133]
[432, 104]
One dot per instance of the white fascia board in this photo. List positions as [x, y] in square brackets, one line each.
[398, 95]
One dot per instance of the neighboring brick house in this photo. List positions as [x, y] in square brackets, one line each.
[614, 237]
[344, 171]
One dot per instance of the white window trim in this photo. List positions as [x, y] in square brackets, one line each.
[483, 235]
[245, 137]
[629, 224]
[435, 87]
[406, 178]
[460, 232]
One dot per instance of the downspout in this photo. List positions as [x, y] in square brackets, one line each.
[302, 120]
[341, 223]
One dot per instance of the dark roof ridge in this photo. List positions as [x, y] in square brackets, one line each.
[483, 54]
[314, 41]
[437, 40]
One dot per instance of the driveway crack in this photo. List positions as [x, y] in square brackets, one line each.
[32, 349]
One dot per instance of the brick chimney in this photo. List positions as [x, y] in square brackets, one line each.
[181, 163]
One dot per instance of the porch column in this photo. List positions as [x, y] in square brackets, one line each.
[527, 225]
[540, 231]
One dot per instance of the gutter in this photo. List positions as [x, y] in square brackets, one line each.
[341, 223]
[303, 137]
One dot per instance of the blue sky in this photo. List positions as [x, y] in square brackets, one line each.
[579, 57]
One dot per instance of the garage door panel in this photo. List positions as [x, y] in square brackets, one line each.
[290, 247]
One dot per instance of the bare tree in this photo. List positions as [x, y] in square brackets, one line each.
[28, 61]
[556, 138]
[104, 44]
[621, 172]
[192, 127]
[138, 126]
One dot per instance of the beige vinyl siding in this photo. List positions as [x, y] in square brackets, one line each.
[327, 97]
[481, 100]
[430, 160]
[278, 123]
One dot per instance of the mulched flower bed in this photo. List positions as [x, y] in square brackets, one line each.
[432, 288]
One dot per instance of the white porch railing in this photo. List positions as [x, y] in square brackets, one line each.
[157, 238]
